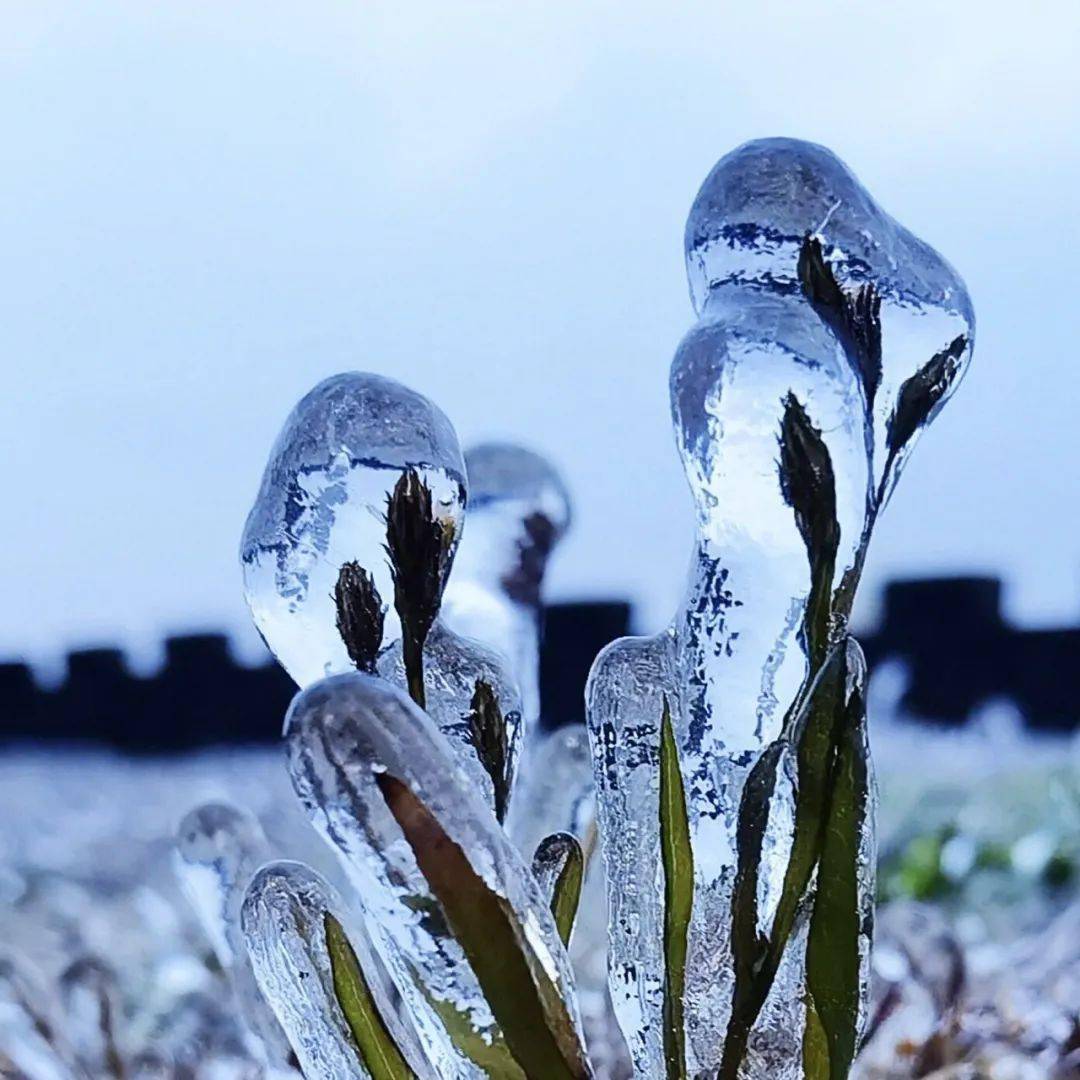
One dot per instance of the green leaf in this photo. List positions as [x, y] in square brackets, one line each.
[419, 546]
[678, 861]
[378, 1051]
[490, 739]
[525, 1001]
[832, 952]
[492, 1056]
[757, 956]
[815, 1045]
[814, 737]
[750, 949]
[559, 866]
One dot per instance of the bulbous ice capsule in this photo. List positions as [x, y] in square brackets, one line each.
[828, 337]
[218, 849]
[519, 510]
[352, 536]
[285, 924]
[750, 383]
[348, 738]
[323, 503]
[733, 659]
[901, 313]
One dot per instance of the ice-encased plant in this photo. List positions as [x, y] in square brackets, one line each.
[733, 783]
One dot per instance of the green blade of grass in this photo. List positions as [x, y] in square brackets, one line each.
[832, 951]
[808, 484]
[526, 1003]
[750, 949]
[559, 866]
[493, 1057]
[378, 1051]
[678, 862]
[815, 1044]
[757, 956]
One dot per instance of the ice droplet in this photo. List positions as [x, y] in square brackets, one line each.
[782, 367]
[218, 849]
[341, 733]
[323, 503]
[284, 925]
[519, 510]
[745, 231]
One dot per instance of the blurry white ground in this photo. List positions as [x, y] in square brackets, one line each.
[982, 825]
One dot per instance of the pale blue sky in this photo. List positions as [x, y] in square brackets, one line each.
[205, 208]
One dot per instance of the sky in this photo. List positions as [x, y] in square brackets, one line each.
[206, 208]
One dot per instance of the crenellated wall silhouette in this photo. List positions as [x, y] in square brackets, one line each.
[960, 654]
[949, 632]
[202, 697]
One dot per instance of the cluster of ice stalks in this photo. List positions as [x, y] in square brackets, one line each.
[726, 773]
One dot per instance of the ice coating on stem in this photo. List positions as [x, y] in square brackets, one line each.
[284, 925]
[452, 666]
[323, 503]
[827, 338]
[344, 732]
[554, 791]
[519, 510]
[747, 227]
[218, 849]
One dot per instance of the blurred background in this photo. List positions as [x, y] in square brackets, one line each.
[206, 208]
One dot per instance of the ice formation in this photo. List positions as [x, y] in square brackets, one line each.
[827, 337]
[324, 503]
[284, 924]
[347, 737]
[218, 849]
[519, 510]
[726, 767]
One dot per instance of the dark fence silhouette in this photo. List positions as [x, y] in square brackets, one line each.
[961, 653]
[949, 632]
[202, 697]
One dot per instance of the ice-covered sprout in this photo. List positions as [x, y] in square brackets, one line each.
[293, 922]
[323, 503]
[827, 338]
[519, 510]
[365, 490]
[424, 850]
[218, 849]
[866, 275]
